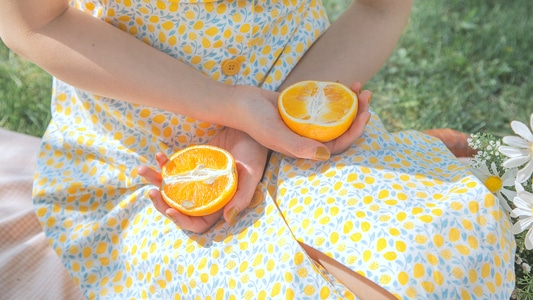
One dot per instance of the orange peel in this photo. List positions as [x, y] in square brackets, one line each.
[199, 180]
[319, 110]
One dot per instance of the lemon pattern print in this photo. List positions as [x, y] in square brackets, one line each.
[395, 207]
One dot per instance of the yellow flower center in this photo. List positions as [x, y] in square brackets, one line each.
[493, 183]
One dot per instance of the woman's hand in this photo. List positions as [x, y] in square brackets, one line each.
[262, 121]
[357, 128]
[257, 114]
[250, 158]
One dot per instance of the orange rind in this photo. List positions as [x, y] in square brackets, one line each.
[199, 180]
[319, 110]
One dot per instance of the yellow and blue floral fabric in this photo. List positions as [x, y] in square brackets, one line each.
[395, 207]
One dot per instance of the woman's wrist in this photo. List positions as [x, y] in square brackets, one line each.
[207, 100]
[233, 108]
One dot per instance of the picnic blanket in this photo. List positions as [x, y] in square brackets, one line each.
[29, 267]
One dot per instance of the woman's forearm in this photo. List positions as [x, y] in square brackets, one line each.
[95, 56]
[357, 44]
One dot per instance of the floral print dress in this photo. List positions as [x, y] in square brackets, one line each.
[395, 207]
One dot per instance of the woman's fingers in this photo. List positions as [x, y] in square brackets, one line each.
[161, 159]
[296, 146]
[157, 200]
[354, 132]
[356, 87]
[151, 175]
[365, 98]
[292, 144]
[194, 224]
[357, 127]
[243, 196]
[262, 121]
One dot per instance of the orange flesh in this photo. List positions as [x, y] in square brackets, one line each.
[309, 103]
[199, 181]
[196, 193]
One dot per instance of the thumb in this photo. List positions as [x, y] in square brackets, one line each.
[294, 145]
[302, 147]
[246, 192]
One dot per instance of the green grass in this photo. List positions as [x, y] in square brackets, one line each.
[24, 94]
[466, 65]
[460, 64]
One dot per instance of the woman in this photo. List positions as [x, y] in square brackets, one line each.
[130, 80]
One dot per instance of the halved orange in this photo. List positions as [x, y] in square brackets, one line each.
[318, 110]
[199, 180]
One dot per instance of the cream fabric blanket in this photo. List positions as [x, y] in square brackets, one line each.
[29, 267]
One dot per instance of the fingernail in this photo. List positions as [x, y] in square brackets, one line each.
[322, 153]
[168, 212]
[370, 99]
[169, 216]
[233, 215]
[256, 199]
[151, 195]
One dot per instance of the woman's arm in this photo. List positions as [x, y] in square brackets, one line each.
[356, 45]
[90, 54]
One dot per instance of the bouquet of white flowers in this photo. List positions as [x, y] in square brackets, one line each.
[505, 166]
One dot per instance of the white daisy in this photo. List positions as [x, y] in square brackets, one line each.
[524, 211]
[496, 183]
[520, 150]
[526, 268]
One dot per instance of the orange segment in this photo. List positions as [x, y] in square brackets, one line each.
[317, 109]
[199, 180]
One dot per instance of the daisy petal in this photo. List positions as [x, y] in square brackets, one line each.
[515, 141]
[520, 212]
[514, 162]
[506, 206]
[522, 130]
[529, 240]
[508, 178]
[504, 203]
[526, 196]
[521, 225]
[522, 205]
[518, 187]
[525, 173]
[508, 194]
[513, 151]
